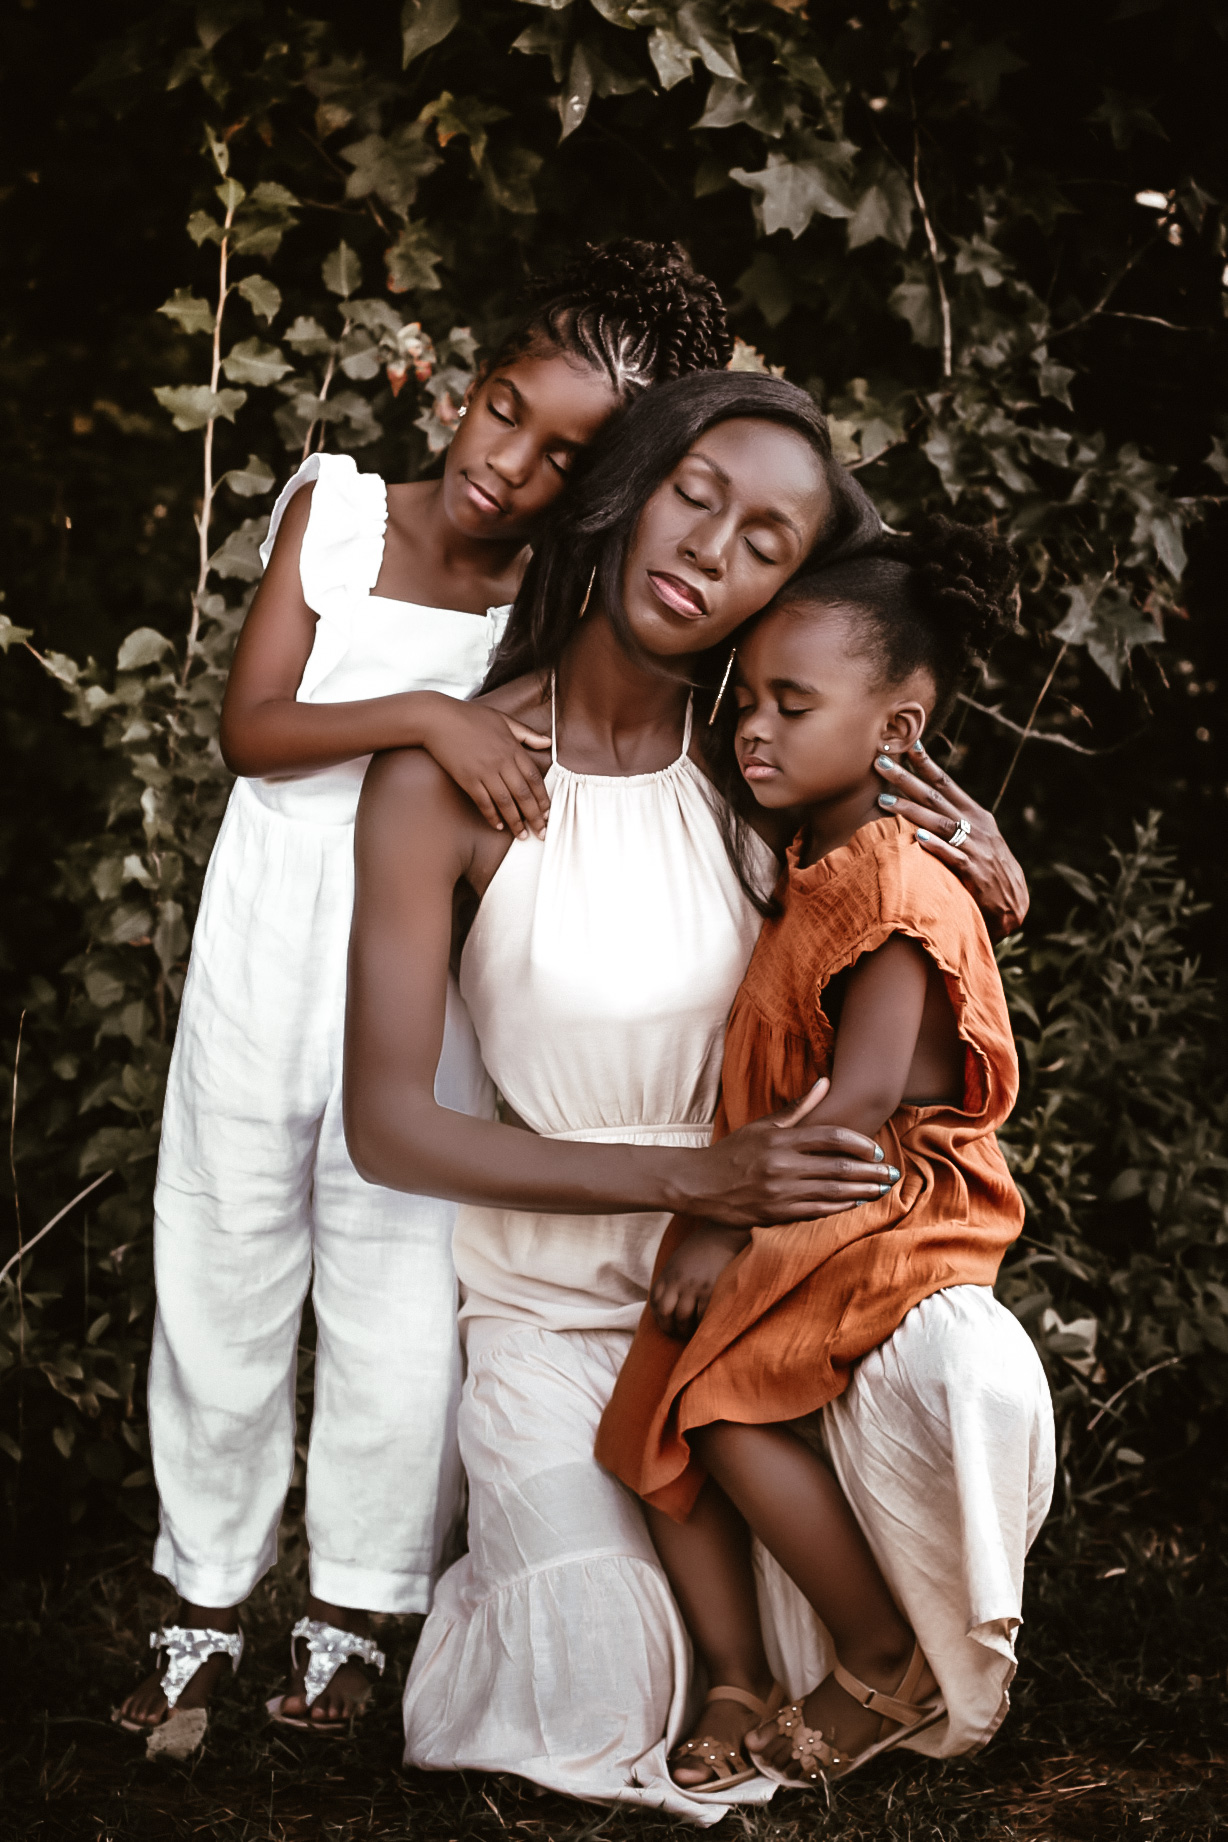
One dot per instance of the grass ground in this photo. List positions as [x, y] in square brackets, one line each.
[1118, 1729]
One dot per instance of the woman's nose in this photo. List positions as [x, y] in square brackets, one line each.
[511, 458]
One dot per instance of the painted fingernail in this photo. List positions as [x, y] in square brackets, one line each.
[925, 837]
[861, 1202]
[893, 1173]
[888, 800]
[878, 1154]
[884, 1189]
[917, 749]
[885, 764]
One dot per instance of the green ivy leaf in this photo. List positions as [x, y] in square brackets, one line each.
[577, 94]
[1054, 379]
[391, 166]
[11, 635]
[548, 38]
[192, 405]
[699, 24]
[982, 69]
[306, 335]
[262, 296]
[189, 312]
[883, 210]
[510, 183]
[412, 260]
[790, 192]
[914, 300]
[342, 271]
[250, 481]
[249, 362]
[671, 59]
[425, 23]
[731, 102]
[144, 646]
[204, 229]
[1103, 618]
[240, 554]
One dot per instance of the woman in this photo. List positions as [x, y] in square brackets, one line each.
[599, 972]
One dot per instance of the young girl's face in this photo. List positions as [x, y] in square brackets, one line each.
[523, 426]
[812, 714]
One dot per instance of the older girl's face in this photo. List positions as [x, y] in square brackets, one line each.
[525, 422]
[734, 520]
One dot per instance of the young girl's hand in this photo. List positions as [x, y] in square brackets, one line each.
[680, 1296]
[487, 755]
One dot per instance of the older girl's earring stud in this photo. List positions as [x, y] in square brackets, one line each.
[462, 411]
[588, 594]
[733, 653]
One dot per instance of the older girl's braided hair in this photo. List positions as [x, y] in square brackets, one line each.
[636, 310]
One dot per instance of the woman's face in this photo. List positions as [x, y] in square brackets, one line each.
[524, 425]
[737, 516]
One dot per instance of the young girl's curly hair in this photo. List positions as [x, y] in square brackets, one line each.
[636, 310]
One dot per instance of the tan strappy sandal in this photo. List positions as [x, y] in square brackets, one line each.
[822, 1762]
[725, 1762]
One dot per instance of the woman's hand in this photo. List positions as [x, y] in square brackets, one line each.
[783, 1169]
[680, 1294]
[487, 754]
[928, 798]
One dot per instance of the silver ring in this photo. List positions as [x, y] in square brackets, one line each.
[962, 831]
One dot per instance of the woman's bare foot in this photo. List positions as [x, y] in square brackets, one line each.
[726, 1722]
[147, 1706]
[349, 1688]
[843, 1722]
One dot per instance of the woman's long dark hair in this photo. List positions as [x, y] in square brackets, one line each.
[595, 521]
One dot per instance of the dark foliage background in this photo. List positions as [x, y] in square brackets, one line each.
[991, 238]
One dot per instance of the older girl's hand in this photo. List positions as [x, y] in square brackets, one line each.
[951, 826]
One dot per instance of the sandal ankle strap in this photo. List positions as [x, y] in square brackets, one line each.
[186, 1647]
[328, 1647]
[891, 1707]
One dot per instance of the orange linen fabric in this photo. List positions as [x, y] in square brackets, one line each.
[801, 1304]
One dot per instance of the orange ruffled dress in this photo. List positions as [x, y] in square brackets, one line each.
[800, 1305]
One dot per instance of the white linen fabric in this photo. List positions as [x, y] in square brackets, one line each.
[256, 1191]
[599, 973]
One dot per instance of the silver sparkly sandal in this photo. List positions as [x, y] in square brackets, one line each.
[328, 1647]
[185, 1648]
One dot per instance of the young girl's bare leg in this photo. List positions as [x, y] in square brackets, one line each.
[791, 1500]
[707, 1561]
[147, 1704]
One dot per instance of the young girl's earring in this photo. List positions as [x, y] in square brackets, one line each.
[462, 411]
[588, 594]
[733, 653]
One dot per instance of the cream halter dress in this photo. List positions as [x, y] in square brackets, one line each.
[599, 972]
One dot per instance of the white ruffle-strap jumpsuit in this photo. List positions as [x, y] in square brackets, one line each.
[256, 1196]
[599, 973]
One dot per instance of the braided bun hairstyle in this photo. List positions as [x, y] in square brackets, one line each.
[638, 311]
[933, 600]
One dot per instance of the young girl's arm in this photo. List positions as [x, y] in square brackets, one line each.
[896, 1041]
[266, 731]
[417, 837]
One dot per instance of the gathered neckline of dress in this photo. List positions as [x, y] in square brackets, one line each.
[681, 761]
[863, 841]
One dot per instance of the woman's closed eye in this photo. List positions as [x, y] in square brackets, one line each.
[690, 500]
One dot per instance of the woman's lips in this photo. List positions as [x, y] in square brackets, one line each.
[483, 500]
[678, 595]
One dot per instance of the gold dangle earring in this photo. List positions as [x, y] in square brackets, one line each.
[588, 594]
[733, 653]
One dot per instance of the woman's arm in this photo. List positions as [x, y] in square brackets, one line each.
[417, 838]
[930, 799]
[266, 731]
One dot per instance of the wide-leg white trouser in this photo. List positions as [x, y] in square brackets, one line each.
[256, 1200]
[555, 1649]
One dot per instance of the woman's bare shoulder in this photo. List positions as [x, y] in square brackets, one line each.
[527, 698]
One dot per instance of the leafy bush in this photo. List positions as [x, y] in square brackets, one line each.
[883, 191]
[1120, 1146]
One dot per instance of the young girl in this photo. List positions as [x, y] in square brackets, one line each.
[876, 979]
[379, 612]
